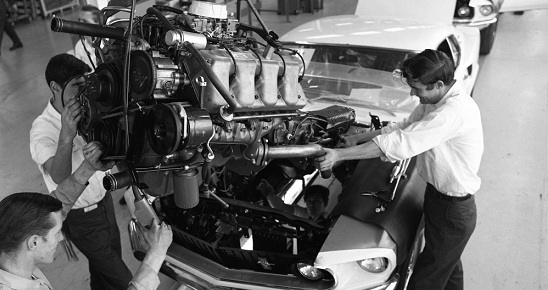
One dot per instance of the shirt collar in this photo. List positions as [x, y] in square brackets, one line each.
[17, 282]
[453, 91]
[50, 109]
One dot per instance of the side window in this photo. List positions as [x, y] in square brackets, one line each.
[451, 47]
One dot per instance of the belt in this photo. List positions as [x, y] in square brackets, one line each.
[452, 198]
[448, 197]
[86, 209]
[89, 207]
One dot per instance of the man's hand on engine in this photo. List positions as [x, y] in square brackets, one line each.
[92, 153]
[328, 160]
[71, 115]
[350, 140]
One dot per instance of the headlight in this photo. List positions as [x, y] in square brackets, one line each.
[374, 265]
[463, 11]
[309, 272]
[486, 9]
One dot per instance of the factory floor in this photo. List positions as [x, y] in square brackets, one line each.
[509, 247]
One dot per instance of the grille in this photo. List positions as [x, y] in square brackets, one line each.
[278, 262]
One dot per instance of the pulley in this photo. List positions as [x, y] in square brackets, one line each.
[153, 76]
[105, 131]
[164, 127]
[105, 87]
[173, 127]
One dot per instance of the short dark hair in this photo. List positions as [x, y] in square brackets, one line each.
[428, 67]
[317, 190]
[24, 214]
[96, 12]
[62, 67]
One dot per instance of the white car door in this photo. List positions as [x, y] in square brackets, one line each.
[521, 5]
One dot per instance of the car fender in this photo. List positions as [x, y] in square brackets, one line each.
[469, 40]
[400, 217]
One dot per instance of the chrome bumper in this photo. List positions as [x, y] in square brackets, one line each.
[479, 24]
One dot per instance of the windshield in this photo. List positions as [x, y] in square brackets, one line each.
[358, 77]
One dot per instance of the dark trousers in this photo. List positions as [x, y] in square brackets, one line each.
[449, 223]
[5, 25]
[95, 233]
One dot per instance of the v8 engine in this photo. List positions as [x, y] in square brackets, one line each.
[192, 102]
[197, 108]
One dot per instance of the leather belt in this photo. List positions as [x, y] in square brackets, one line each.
[440, 195]
[448, 197]
[89, 207]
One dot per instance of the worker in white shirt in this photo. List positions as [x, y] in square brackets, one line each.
[56, 147]
[30, 230]
[84, 49]
[445, 134]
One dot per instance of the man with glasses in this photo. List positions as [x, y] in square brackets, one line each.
[445, 134]
[57, 149]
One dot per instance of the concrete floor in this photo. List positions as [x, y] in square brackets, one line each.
[508, 249]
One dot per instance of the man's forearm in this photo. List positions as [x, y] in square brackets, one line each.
[71, 188]
[367, 136]
[61, 164]
[364, 151]
[146, 277]
[360, 138]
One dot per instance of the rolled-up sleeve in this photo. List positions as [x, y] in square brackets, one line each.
[43, 141]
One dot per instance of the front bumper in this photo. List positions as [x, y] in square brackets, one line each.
[479, 24]
[195, 272]
[191, 269]
[200, 273]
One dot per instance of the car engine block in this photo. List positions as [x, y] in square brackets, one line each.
[191, 103]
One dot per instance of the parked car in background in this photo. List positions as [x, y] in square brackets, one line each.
[481, 14]
[484, 14]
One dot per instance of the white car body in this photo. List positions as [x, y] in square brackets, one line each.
[403, 35]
